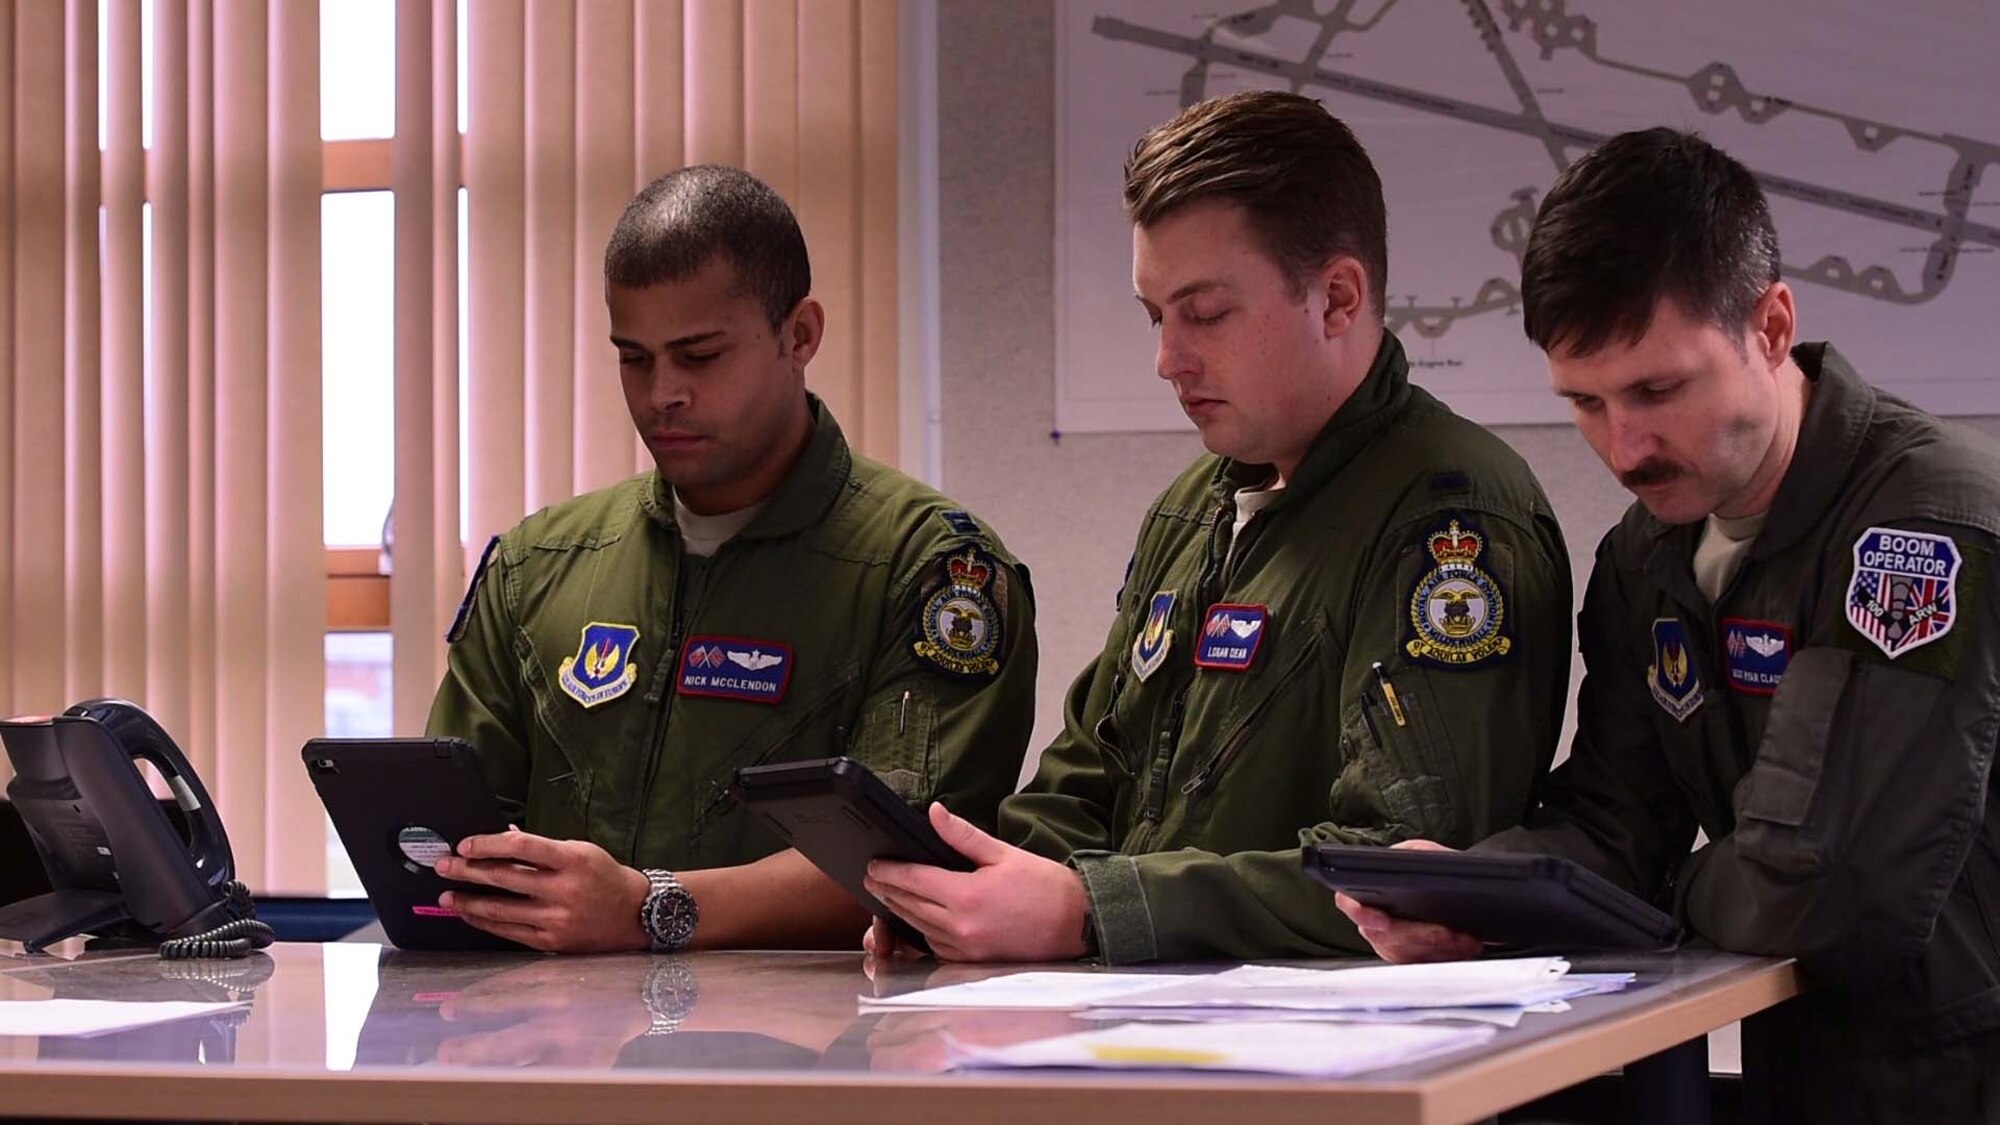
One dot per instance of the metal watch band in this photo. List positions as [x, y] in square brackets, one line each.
[670, 993]
[668, 914]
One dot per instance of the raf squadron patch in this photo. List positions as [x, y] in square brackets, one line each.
[602, 669]
[1904, 592]
[1457, 613]
[1754, 654]
[1150, 650]
[733, 668]
[960, 625]
[1230, 637]
[1673, 678]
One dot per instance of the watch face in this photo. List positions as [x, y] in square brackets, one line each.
[670, 913]
[670, 993]
[680, 916]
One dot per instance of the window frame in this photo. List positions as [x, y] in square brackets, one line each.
[357, 596]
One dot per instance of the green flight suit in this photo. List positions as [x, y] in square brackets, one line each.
[1182, 794]
[1829, 722]
[612, 683]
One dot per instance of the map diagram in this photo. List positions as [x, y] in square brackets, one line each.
[1873, 128]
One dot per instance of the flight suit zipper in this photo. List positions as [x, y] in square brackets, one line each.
[657, 742]
[1163, 755]
[719, 794]
[1110, 742]
[1169, 736]
[1209, 775]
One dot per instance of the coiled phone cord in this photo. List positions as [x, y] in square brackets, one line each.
[231, 939]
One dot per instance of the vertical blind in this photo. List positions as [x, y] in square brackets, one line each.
[160, 421]
[160, 490]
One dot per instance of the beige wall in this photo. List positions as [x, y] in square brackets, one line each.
[1071, 508]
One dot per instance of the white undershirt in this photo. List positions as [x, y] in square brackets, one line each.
[1725, 543]
[1250, 501]
[704, 534]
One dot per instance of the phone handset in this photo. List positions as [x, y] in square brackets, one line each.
[113, 858]
[145, 740]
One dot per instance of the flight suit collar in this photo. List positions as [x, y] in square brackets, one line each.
[1376, 402]
[806, 493]
[1830, 438]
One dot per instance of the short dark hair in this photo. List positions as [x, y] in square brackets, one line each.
[1649, 214]
[682, 220]
[1305, 183]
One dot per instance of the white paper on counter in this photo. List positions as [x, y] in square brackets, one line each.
[1031, 990]
[96, 1017]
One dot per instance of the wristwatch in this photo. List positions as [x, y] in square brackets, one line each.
[668, 915]
[670, 993]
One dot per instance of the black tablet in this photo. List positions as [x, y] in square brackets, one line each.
[1499, 897]
[400, 804]
[840, 816]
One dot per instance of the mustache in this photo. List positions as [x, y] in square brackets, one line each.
[1650, 472]
[661, 423]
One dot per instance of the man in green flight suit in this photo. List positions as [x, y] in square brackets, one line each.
[1349, 624]
[765, 595]
[1792, 645]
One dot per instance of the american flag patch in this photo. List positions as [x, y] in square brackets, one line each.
[1904, 592]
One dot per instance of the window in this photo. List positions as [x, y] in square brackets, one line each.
[357, 311]
[357, 706]
[358, 355]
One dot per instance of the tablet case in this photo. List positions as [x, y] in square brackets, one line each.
[399, 804]
[840, 816]
[1518, 900]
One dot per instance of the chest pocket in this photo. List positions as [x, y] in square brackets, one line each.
[1125, 721]
[897, 737]
[1113, 745]
[1403, 757]
[814, 722]
[569, 759]
[1290, 707]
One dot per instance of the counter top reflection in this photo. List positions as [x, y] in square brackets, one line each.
[349, 1032]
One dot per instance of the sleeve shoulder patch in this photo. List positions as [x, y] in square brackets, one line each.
[959, 627]
[463, 620]
[1457, 610]
[1902, 593]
